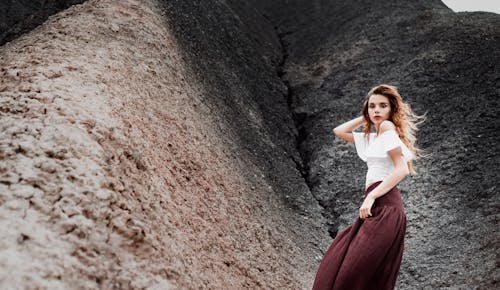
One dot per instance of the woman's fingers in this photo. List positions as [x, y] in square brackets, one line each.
[365, 209]
[364, 213]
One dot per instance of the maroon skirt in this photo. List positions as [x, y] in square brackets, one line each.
[367, 255]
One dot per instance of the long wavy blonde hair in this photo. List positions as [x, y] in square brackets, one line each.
[403, 117]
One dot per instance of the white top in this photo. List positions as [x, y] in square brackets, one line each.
[375, 153]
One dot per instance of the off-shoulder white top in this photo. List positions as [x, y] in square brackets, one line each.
[374, 151]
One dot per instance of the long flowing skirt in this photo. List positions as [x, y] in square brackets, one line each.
[367, 255]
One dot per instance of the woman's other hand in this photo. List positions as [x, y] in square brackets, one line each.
[366, 207]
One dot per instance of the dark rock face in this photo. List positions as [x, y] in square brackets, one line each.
[18, 17]
[237, 56]
[445, 64]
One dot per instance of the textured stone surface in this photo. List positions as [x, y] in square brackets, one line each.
[135, 152]
[150, 144]
[20, 16]
[445, 64]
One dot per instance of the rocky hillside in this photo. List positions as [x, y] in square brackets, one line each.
[445, 64]
[148, 144]
[20, 16]
[187, 144]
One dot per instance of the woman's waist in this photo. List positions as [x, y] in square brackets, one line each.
[378, 173]
[390, 198]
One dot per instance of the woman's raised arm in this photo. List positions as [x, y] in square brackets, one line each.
[344, 131]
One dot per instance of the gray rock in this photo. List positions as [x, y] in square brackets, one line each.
[445, 64]
[20, 16]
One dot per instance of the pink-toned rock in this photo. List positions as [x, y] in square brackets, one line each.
[117, 173]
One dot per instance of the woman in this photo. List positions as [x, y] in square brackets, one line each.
[367, 255]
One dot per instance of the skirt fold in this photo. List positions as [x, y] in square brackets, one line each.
[367, 255]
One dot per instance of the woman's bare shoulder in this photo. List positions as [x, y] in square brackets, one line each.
[387, 126]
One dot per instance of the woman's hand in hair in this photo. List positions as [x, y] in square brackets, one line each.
[344, 131]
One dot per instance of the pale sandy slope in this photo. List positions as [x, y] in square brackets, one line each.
[113, 173]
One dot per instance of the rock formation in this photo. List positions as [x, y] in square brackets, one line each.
[188, 145]
[445, 64]
[20, 16]
[146, 145]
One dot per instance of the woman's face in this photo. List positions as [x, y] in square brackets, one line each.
[379, 109]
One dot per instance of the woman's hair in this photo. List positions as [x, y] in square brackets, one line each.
[401, 115]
